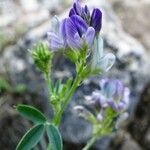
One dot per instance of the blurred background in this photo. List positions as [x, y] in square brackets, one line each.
[126, 33]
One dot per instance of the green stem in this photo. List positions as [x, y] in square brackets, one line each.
[90, 143]
[58, 116]
[48, 81]
[49, 147]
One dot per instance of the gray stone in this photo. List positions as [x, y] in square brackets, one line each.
[136, 24]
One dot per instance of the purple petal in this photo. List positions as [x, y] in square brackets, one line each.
[86, 14]
[86, 10]
[71, 29]
[80, 24]
[100, 100]
[96, 20]
[122, 106]
[55, 42]
[55, 25]
[77, 7]
[73, 38]
[126, 96]
[89, 36]
[83, 15]
[62, 30]
[72, 12]
[119, 89]
[78, 42]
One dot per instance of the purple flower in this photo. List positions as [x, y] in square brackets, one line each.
[112, 94]
[116, 94]
[78, 33]
[77, 30]
[72, 32]
[94, 20]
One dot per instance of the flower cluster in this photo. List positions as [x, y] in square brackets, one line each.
[78, 37]
[113, 94]
[79, 28]
[94, 20]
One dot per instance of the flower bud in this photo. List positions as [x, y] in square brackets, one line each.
[42, 57]
[96, 20]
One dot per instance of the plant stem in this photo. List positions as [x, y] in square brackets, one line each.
[49, 147]
[48, 81]
[58, 116]
[90, 143]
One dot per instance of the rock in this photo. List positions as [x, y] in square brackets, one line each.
[136, 24]
[20, 17]
[123, 141]
[139, 126]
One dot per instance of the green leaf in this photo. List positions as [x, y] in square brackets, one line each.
[31, 138]
[54, 137]
[31, 113]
